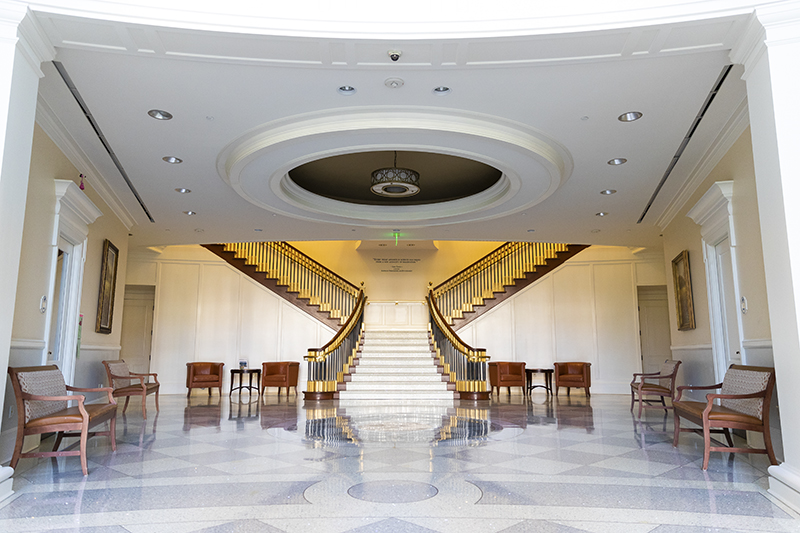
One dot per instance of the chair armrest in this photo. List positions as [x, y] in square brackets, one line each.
[695, 387]
[38, 398]
[108, 390]
[155, 375]
[711, 397]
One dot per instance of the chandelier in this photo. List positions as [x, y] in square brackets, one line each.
[395, 182]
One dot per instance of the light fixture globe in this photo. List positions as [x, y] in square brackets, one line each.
[395, 182]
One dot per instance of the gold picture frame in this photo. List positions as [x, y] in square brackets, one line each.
[108, 285]
[682, 279]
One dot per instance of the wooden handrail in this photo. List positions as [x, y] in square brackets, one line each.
[471, 266]
[319, 355]
[473, 355]
[320, 265]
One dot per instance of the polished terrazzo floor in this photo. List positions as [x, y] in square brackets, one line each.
[512, 465]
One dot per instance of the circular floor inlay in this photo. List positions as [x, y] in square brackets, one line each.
[392, 491]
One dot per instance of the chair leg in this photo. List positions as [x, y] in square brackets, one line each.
[768, 446]
[209, 392]
[509, 390]
[112, 433]
[84, 438]
[587, 392]
[59, 436]
[127, 399]
[556, 394]
[144, 406]
[568, 391]
[728, 438]
[189, 393]
[677, 421]
[706, 446]
[157, 409]
[632, 400]
[641, 404]
[17, 448]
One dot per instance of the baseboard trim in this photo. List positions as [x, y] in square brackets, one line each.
[784, 484]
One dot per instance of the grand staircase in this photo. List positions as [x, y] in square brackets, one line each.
[395, 367]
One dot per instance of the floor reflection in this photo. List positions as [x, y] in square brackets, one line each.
[202, 412]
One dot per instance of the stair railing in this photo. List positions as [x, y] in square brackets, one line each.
[328, 365]
[301, 274]
[465, 365]
[479, 281]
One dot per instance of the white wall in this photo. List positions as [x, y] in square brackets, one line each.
[586, 310]
[205, 310]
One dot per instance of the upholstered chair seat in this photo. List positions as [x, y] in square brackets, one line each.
[507, 374]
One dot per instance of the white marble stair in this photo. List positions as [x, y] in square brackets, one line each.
[395, 366]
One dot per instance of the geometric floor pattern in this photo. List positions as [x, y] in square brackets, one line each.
[512, 465]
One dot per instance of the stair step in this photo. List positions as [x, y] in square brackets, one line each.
[405, 377]
[373, 395]
[429, 386]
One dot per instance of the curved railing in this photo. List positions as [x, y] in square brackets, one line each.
[328, 365]
[301, 274]
[465, 365]
[462, 292]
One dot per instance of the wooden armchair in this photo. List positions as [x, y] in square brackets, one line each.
[665, 388]
[122, 381]
[202, 375]
[42, 408]
[573, 375]
[745, 395]
[507, 374]
[280, 374]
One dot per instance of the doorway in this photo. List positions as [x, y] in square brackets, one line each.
[654, 331]
[726, 341]
[137, 327]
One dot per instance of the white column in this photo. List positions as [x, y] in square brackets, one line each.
[770, 52]
[22, 49]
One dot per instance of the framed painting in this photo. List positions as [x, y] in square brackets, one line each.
[108, 284]
[682, 279]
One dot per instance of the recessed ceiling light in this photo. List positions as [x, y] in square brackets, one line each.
[585, 117]
[258, 229]
[171, 159]
[381, 245]
[190, 213]
[409, 245]
[183, 190]
[630, 116]
[617, 161]
[441, 90]
[159, 114]
[600, 214]
[608, 191]
[595, 231]
[531, 230]
[347, 90]
[199, 230]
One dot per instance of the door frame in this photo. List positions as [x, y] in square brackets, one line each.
[714, 213]
[74, 213]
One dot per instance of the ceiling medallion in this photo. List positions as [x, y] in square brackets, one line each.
[395, 182]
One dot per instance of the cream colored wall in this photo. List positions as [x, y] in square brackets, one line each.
[585, 310]
[48, 163]
[205, 310]
[357, 262]
[693, 347]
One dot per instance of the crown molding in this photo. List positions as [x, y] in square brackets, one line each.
[54, 129]
[736, 125]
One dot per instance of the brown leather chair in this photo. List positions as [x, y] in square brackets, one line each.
[123, 383]
[280, 374]
[665, 388]
[507, 374]
[745, 396]
[204, 376]
[42, 407]
[573, 375]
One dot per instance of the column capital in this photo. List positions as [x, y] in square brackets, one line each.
[768, 26]
[19, 26]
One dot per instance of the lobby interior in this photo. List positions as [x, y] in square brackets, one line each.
[642, 132]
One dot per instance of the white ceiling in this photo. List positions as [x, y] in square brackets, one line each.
[247, 108]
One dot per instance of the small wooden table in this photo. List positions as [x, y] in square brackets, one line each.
[548, 379]
[249, 386]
